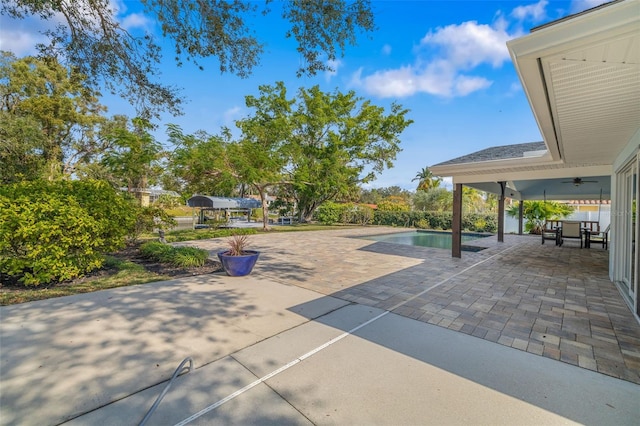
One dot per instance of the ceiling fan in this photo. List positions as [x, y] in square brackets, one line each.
[578, 181]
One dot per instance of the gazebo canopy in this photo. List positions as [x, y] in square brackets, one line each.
[222, 203]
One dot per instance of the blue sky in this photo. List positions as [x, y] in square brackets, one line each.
[446, 61]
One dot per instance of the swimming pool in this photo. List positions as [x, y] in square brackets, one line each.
[436, 239]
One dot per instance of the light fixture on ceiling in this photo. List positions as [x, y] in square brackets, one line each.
[578, 181]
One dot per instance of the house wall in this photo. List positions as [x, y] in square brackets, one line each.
[619, 251]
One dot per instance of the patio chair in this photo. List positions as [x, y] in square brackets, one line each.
[599, 237]
[570, 230]
[550, 231]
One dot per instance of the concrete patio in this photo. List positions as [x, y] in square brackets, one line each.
[552, 301]
[333, 329]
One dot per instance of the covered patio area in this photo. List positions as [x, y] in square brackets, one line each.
[581, 76]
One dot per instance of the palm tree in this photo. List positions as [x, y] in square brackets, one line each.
[472, 200]
[426, 180]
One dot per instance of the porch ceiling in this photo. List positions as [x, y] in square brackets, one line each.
[591, 188]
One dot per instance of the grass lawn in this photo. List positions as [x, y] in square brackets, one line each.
[116, 273]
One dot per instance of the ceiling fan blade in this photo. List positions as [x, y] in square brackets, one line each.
[579, 181]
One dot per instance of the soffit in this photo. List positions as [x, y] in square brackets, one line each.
[581, 76]
[594, 97]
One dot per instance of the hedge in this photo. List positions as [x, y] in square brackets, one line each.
[330, 213]
[436, 220]
[56, 231]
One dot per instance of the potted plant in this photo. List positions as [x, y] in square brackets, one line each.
[237, 261]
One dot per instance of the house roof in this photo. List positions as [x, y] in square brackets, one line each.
[498, 153]
[568, 17]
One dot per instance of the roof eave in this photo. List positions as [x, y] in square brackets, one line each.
[528, 52]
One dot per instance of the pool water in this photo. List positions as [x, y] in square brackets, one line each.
[427, 239]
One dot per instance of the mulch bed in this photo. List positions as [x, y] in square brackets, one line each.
[132, 254]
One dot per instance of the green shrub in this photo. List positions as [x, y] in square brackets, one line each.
[182, 257]
[187, 257]
[423, 224]
[435, 220]
[56, 231]
[330, 213]
[147, 219]
[393, 206]
[157, 251]
[363, 215]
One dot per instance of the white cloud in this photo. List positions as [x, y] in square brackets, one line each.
[135, 20]
[465, 85]
[392, 83]
[386, 49]
[230, 115]
[20, 36]
[581, 5]
[470, 44]
[21, 42]
[447, 182]
[444, 59]
[535, 12]
[334, 65]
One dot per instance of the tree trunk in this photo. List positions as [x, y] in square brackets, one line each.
[265, 209]
[306, 213]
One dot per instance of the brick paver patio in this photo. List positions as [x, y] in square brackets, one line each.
[551, 301]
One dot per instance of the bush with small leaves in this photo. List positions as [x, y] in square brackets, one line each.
[436, 220]
[57, 231]
[157, 251]
[328, 213]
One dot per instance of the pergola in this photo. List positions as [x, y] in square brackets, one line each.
[225, 204]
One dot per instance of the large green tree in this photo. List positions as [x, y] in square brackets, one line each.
[50, 119]
[260, 158]
[376, 195]
[434, 200]
[90, 38]
[473, 200]
[133, 159]
[340, 141]
[199, 164]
